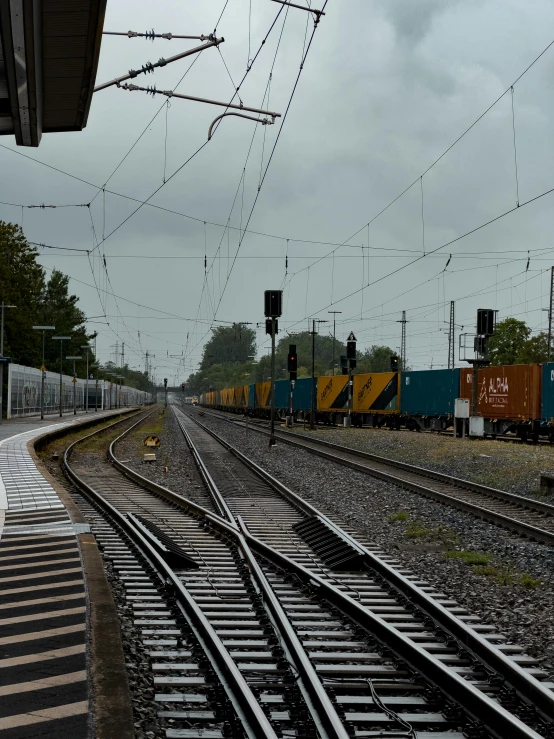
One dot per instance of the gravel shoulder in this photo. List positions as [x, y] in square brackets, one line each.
[505, 579]
[515, 467]
[174, 467]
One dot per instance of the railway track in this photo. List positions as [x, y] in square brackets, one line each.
[517, 513]
[255, 628]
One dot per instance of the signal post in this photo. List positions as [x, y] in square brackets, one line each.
[292, 364]
[273, 308]
[351, 360]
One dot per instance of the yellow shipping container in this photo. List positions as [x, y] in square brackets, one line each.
[376, 392]
[263, 390]
[332, 393]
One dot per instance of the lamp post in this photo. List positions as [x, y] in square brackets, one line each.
[74, 384]
[61, 339]
[95, 367]
[43, 368]
[334, 312]
[3, 307]
[88, 348]
[121, 377]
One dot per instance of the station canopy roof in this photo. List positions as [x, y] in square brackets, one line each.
[49, 53]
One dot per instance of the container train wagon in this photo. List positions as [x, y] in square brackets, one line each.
[513, 398]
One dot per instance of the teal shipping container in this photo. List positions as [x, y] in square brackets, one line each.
[547, 411]
[301, 395]
[429, 393]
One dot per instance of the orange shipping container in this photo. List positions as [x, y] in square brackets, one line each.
[508, 391]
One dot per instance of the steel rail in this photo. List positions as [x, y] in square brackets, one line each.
[249, 712]
[525, 529]
[315, 695]
[526, 685]
[498, 720]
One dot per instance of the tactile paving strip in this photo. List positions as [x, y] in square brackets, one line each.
[22, 487]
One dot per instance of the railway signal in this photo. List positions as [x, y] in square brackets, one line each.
[273, 308]
[351, 360]
[394, 363]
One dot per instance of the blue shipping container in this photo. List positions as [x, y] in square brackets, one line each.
[301, 396]
[429, 392]
[548, 391]
[252, 396]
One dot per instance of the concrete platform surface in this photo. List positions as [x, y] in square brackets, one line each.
[44, 676]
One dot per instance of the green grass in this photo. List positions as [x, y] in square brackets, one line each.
[399, 516]
[503, 574]
[526, 581]
[415, 530]
[487, 570]
[469, 557]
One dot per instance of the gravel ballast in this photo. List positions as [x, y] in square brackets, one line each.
[510, 588]
[174, 467]
[509, 466]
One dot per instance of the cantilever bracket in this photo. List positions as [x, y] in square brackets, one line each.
[170, 94]
[148, 67]
[317, 13]
[263, 121]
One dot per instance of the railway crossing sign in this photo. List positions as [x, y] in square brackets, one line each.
[351, 337]
[152, 441]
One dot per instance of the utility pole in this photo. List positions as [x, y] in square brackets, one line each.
[451, 344]
[61, 339]
[550, 312]
[122, 357]
[334, 312]
[74, 358]
[403, 342]
[313, 393]
[3, 307]
[43, 366]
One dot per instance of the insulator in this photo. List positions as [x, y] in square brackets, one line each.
[161, 62]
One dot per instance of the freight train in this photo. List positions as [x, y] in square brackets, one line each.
[515, 399]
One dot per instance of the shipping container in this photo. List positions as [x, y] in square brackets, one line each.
[301, 396]
[262, 394]
[241, 393]
[376, 393]
[547, 413]
[511, 392]
[332, 393]
[428, 396]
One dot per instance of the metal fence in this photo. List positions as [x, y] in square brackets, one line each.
[24, 388]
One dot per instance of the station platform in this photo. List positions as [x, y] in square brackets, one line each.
[44, 676]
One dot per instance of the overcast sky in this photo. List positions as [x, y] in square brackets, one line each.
[387, 87]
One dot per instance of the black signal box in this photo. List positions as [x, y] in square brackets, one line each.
[485, 322]
[394, 363]
[351, 349]
[273, 303]
[268, 323]
[292, 359]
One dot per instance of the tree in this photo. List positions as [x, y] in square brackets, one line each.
[535, 350]
[508, 343]
[58, 308]
[21, 284]
[375, 359]
[234, 343]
